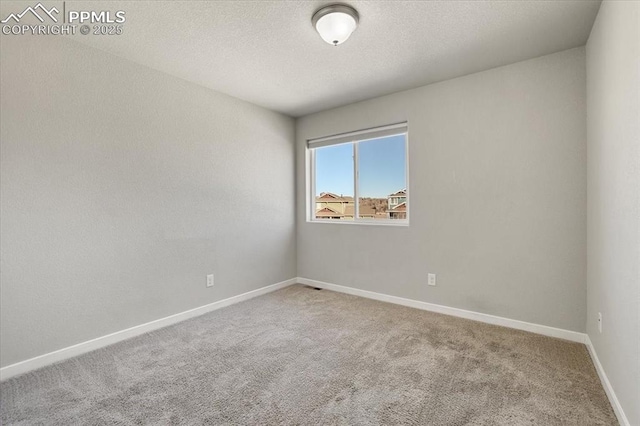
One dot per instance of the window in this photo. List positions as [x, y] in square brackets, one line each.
[360, 176]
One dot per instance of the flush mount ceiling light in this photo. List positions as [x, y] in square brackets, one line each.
[335, 23]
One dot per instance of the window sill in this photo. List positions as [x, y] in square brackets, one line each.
[394, 223]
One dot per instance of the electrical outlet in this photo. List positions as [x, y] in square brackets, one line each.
[599, 322]
[431, 279]
[210, 280]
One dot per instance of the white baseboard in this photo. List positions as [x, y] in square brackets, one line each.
[573, 336]
[613, 399]
[100, 342]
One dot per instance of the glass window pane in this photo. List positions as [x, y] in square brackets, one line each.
[382, 178]
[334, 182]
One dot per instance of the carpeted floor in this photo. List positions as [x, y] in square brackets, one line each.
[307, 357]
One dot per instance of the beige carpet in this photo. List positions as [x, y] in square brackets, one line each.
[305, 357]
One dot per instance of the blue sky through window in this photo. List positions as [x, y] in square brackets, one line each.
[381, 166]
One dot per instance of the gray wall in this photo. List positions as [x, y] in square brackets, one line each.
[613, 87]
[122, 187]
[497, 190]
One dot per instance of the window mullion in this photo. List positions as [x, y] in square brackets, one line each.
[356, 210]
[313, 183]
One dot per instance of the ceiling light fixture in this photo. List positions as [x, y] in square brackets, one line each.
[335, 23]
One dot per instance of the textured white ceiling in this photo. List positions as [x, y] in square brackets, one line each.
[267, 52]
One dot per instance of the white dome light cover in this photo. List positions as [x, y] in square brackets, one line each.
[335, 23]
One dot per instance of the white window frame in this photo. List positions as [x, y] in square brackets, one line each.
[354, 137]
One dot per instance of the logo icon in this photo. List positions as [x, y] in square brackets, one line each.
[34, 11]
